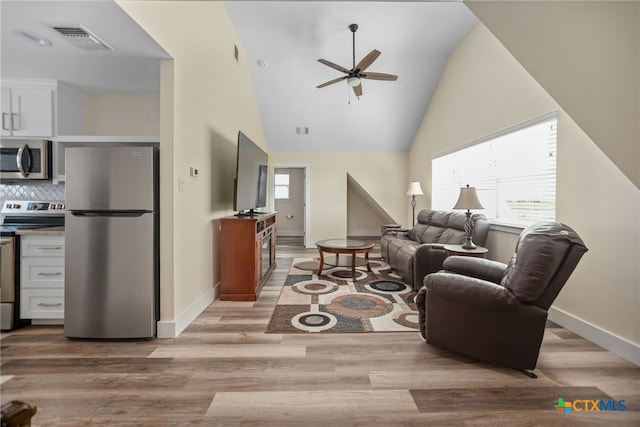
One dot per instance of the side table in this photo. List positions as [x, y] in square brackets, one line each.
[383, 227]
[478, 252]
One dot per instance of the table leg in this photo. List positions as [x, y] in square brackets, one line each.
[366, 256]
[353, 267]
[321, 263]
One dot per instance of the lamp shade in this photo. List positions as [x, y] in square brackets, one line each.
[468, 199]
[414, 189]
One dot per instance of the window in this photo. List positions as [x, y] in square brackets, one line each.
[281, 190]
[514, 173]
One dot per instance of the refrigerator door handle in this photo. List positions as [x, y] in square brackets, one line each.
[129, 214]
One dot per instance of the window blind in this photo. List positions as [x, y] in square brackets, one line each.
[514, 173]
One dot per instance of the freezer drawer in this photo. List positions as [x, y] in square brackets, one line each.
[111, 277]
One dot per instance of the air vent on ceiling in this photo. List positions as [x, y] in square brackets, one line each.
[83, 38]
[302, 130]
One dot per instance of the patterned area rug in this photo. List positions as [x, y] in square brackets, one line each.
[377, 302]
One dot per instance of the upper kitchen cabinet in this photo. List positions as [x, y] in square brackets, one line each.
[27, 110]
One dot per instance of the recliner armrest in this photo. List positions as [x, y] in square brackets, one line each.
[471, 291]
[480, 268]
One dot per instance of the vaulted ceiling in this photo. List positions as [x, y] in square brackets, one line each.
[283, 41]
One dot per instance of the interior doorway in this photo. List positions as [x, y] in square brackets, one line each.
[291, 202]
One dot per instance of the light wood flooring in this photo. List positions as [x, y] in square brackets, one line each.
[223, 370]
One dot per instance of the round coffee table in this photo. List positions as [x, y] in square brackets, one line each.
[344, 246]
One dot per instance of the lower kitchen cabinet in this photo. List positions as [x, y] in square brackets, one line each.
[42, 277]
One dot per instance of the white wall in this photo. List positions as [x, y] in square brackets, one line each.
[381, 174]
[484, 89]
[211, 98]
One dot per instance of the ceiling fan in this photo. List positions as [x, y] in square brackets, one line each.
[355, 75]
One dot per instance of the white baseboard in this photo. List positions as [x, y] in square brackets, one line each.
[615, 344]
[361, 233]
[283, 233]
[171, 329]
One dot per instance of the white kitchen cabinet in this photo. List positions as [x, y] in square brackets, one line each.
[42, 276]
[27, 112]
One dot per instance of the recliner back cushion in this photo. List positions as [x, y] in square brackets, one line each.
[540, 250]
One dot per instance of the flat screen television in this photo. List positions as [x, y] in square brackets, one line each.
[250, 191]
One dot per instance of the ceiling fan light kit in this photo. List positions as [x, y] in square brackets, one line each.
[355, 75]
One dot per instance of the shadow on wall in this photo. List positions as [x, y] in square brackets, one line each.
[223, 171]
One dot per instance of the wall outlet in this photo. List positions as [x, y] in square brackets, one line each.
[193, 171]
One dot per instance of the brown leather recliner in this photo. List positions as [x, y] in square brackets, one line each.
[494, 311]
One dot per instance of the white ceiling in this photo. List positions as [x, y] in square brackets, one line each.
[415, 39]
[132, 67]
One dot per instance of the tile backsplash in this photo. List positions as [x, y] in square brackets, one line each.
[31, 191]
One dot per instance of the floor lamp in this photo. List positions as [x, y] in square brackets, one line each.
[413, 191]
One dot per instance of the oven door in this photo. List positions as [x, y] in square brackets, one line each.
[25, 159]
[7, 283]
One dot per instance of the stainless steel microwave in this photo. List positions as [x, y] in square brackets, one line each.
[25, 159]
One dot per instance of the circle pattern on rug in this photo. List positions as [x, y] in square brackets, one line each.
[314, 287]
[344, 274]
[314, 321]
[389, 287]
[410, 320]
[361, 305]
[307, 265]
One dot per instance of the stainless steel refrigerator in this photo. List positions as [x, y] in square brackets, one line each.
[111, 242]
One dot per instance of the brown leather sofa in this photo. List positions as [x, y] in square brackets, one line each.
[417, 252]
[497, 312]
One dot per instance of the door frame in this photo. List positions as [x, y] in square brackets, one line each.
[307, 191]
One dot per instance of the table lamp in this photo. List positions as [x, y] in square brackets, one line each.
[468, 199]
[413, 191]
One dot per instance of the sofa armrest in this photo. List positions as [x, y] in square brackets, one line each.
[470, 291]
[427, 259]
[480, 268]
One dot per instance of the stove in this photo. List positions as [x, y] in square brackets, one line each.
[27, 215]
[20, 215]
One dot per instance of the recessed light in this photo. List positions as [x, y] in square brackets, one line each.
[32, 37]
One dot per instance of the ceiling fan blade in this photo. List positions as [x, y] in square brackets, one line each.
[334, 66]
[367, 60]
[358, 90]
[330, 82]
[379, 76]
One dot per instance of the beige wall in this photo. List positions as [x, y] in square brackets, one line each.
[363, 219]
[212, 98]
[381, 174]
[586, 54]
[484, 89]
[122, 114]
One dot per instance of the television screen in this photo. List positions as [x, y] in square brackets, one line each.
[251, 176]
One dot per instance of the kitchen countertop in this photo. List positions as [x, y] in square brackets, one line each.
[41, 231]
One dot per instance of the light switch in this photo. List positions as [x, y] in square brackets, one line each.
[181, 185]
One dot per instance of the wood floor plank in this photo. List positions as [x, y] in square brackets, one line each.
[230, 350]
[345, 403]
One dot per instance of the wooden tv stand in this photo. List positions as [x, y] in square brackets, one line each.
[247, 255]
